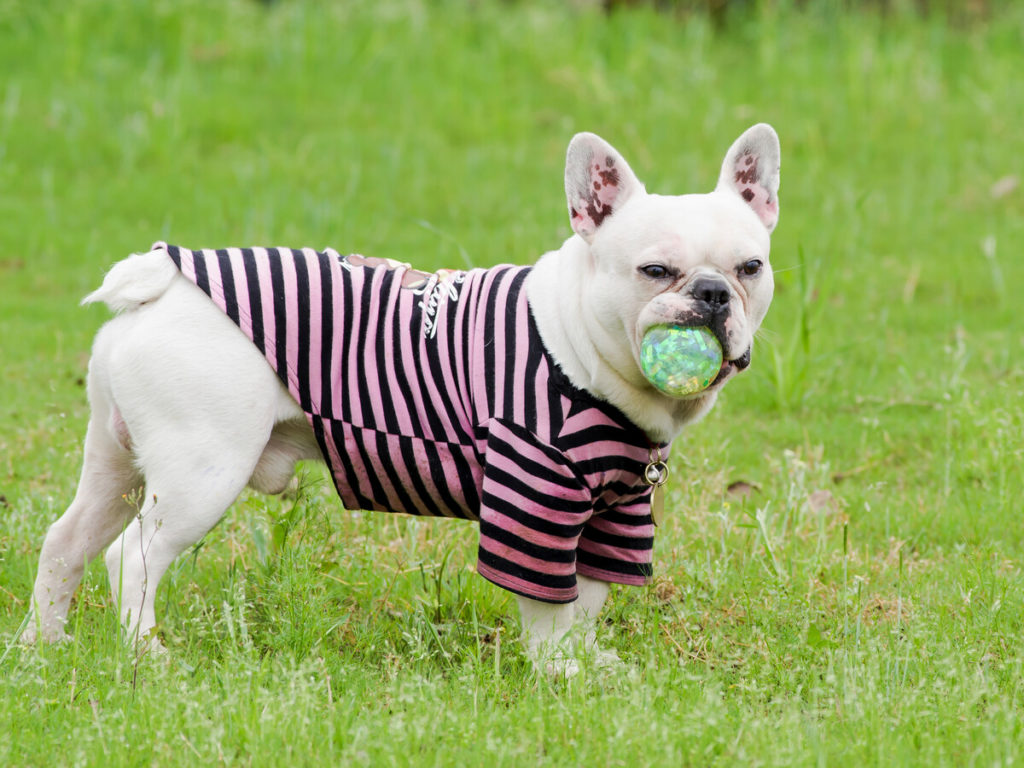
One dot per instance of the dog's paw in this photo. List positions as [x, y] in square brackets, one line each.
[565, 666]
[150, 645]
[561, 668]
[28, 636]
[33, 634]
[605, 659]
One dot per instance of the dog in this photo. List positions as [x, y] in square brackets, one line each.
[511, 395]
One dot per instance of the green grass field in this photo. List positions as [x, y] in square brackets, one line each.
[861, 606]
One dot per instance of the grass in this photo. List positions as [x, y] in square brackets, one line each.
[861, 605]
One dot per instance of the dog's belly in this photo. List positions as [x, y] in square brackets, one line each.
[290, 441]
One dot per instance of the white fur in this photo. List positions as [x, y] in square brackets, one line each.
[183, 403]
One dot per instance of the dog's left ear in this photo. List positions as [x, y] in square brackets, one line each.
[751, 170]
[597, 183]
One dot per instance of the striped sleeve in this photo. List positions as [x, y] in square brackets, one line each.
[618, 545]
[534, 507]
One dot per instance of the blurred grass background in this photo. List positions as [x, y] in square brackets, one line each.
[860, 604]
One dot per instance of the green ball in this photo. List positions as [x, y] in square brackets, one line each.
[680, 361]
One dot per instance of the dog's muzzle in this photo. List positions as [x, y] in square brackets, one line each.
[711, 297]
[708, 306]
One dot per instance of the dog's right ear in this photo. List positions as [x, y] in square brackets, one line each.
[751, 170]
[597, 183]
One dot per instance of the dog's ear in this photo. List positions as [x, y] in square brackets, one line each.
[597, 183]
[751, 170]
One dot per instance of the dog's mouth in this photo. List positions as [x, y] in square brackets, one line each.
[732, 366]
[727, 368]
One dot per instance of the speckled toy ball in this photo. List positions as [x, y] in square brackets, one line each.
[680, 361]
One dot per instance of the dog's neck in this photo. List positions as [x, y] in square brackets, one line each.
[601, 369]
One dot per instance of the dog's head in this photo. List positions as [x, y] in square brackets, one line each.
[689, 260]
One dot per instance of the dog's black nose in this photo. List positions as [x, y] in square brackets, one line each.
[711, 292]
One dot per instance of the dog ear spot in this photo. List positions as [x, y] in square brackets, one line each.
[598, 211]
[610, 177]
[596, 199]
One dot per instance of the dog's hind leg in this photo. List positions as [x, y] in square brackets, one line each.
[186, 495]
[201, 404]
[196, 462]
[95, 517]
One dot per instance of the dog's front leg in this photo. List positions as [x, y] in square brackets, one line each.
[545, 626]
[593, 594]
[554, 633]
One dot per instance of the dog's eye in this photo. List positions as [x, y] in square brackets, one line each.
[656, 271]
[751, 268]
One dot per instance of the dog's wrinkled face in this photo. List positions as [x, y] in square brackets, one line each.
[701, 260]
[692, 260]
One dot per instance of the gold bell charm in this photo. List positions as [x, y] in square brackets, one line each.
[656, 475]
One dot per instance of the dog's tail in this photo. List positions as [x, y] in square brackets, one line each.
[139, 279]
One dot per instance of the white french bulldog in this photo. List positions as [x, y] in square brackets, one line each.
[546, 445]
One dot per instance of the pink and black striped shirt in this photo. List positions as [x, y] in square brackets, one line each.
[434, 395]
